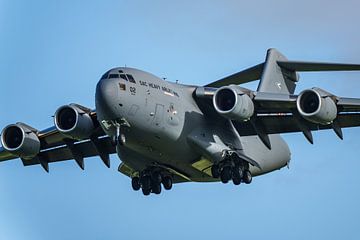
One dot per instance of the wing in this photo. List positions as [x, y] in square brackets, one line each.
[279, 113]
[55, 147]
[277, 110]
[247, 75]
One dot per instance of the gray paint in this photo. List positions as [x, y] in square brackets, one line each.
[177, 128]
[170, 129]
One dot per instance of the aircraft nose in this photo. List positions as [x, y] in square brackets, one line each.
[106, 98]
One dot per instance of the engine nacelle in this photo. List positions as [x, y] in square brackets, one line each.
[232, 103]
[20, 140]
[74, 121]
[316, 105]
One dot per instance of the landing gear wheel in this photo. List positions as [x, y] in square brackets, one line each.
[225, 174]
[215, 171]
[237, 173]
[121, 139]
[156, 177]
[146, 183]
[156, 188]
[167, 182]
[146, 192]
[135, 183]
[236, 181]
[247, 178]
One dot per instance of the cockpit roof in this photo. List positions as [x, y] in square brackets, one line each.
[119, 73]
[130, 73]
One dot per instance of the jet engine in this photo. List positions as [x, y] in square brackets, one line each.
[20, 140]
[74, 121]
[232, 103]
[316, 105]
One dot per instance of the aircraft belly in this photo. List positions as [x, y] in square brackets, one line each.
[164, 146]
[164, 129]
[141, 152]
[158, 133]
[269, 160]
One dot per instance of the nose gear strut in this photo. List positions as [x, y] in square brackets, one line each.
[118, 138]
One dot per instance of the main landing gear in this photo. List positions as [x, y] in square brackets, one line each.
[150, 181]
[232, 168]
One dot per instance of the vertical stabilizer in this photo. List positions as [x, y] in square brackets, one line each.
[277, 79]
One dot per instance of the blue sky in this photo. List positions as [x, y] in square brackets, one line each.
[53, 53]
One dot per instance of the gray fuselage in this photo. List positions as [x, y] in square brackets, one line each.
[163, 124]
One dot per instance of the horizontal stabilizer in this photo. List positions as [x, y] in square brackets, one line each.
[317, 66]
[276, 67]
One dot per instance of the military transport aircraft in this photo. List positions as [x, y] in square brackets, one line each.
[167, 133]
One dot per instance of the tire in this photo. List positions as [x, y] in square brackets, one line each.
[146, 182]
[167, 182]
[225, 174]
[156, 177]
[237, 173]
[247, 178]
[121, 139]
[135, 183]
[156, 188]
[236, 181]
[215, 171]
[146, 192]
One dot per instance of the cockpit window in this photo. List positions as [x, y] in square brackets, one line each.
[131, 78]
[113, 75]
[105, 76]
[123, 76]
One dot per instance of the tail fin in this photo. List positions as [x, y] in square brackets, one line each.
[275, 78]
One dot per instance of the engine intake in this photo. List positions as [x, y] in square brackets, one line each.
[74, 121]
[20, 140]
[232, 103]
[316, 105]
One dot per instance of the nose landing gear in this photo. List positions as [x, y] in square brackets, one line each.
[151, 181]
[118, 138]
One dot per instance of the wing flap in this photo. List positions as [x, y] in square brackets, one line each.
[349, 104]
[274, 124]
[283, 103]
[51, 137]
[85, 149]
